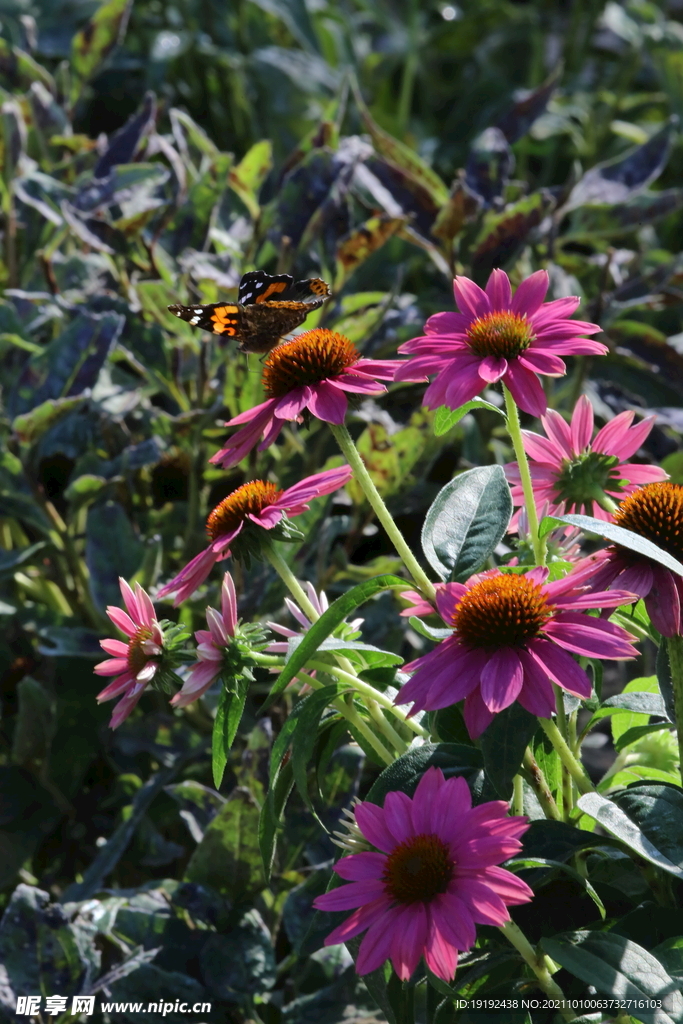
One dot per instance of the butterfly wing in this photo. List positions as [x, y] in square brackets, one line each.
[222, 318]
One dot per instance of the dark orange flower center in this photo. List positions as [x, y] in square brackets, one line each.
[418, 869]
[502, 334]
[655, 511]
[249, 499]
[502, 611]
[136, 657]
[308, 359]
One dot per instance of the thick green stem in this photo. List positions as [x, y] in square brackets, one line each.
[538, 964]
[369, 692]
[574, 767]
[675, 650]
[291, 582]
[353, 457]
[567, 793]
[348, 712]
[386, 728]
[539, 784]
[515, 432]
[517, 795]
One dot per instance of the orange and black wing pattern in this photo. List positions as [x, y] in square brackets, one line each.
[219, 317]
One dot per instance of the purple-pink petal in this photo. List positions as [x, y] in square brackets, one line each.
[499, 291]
[470, 298]
[530, 294]
[360, 866]
[501, 679]
[409, 937]
[525, 388]
[561, 667]
[371, 821]
[328, 403]
[355, 894]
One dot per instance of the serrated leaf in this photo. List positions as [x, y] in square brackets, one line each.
[328, 622]
[615, 534]
[226, 723]
[466, 521]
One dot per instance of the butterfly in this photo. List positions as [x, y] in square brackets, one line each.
[268, 307]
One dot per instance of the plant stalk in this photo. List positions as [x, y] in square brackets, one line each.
[675, 650]
[291, 582]
[538, 964]
[515, 431]
[574, 767]
[351, 715]
[353, 457]
[539, 784]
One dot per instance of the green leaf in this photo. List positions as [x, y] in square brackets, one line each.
[226, 723]
[97, 39]
[405, 158]
[198, 805]
[241, 963]
[42, 949]
[614, 820]
[503, 234]
[637, 732]
[536, 862]
[430, 632]
[621, 969]
[35, 724]
[454, 759]
[364, 655]
[31, 425]
[446, 418]
[281, 784]
[503, 744]
[658, 811]
[663, 669]
[617, 535]
[327, 623]
[112, 549]
[466, 521]
[109, 855]
[11, 560]
[249, 174]
[305, 735]
[228, 859]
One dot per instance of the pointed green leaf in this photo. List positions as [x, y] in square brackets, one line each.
[466, 521]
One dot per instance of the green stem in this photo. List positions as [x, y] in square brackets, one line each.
[675, 651]
[567, 794]
[370, 693]
[539, 784]
[351, 715]
[386, 728]
[538, 964]
[353, 457]
[574, 767]
[291, 582]
[517, 795]
[515, 432]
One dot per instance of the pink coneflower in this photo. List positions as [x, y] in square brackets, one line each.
[655, 512]
[497, 336]
[511, 641]
[136, 662]
[313, 371]
[211, 646]
[321, 604]
[434, 879]
[257, 503]
[571, 473]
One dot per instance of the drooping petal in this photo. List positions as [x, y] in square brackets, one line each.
[290, 406]
[561, 667]
[328, 403]
[663, 602]
[492, 368]
[397, 815]
[454, 920]
[376, 945]
[440, 955]
[525, 388]
[477, 716]
[501, 679]
[358, 921]
[409, 938]
[352, 895]
[539, 361]
[594, 638]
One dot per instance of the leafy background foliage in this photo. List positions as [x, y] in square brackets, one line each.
[152, 153]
